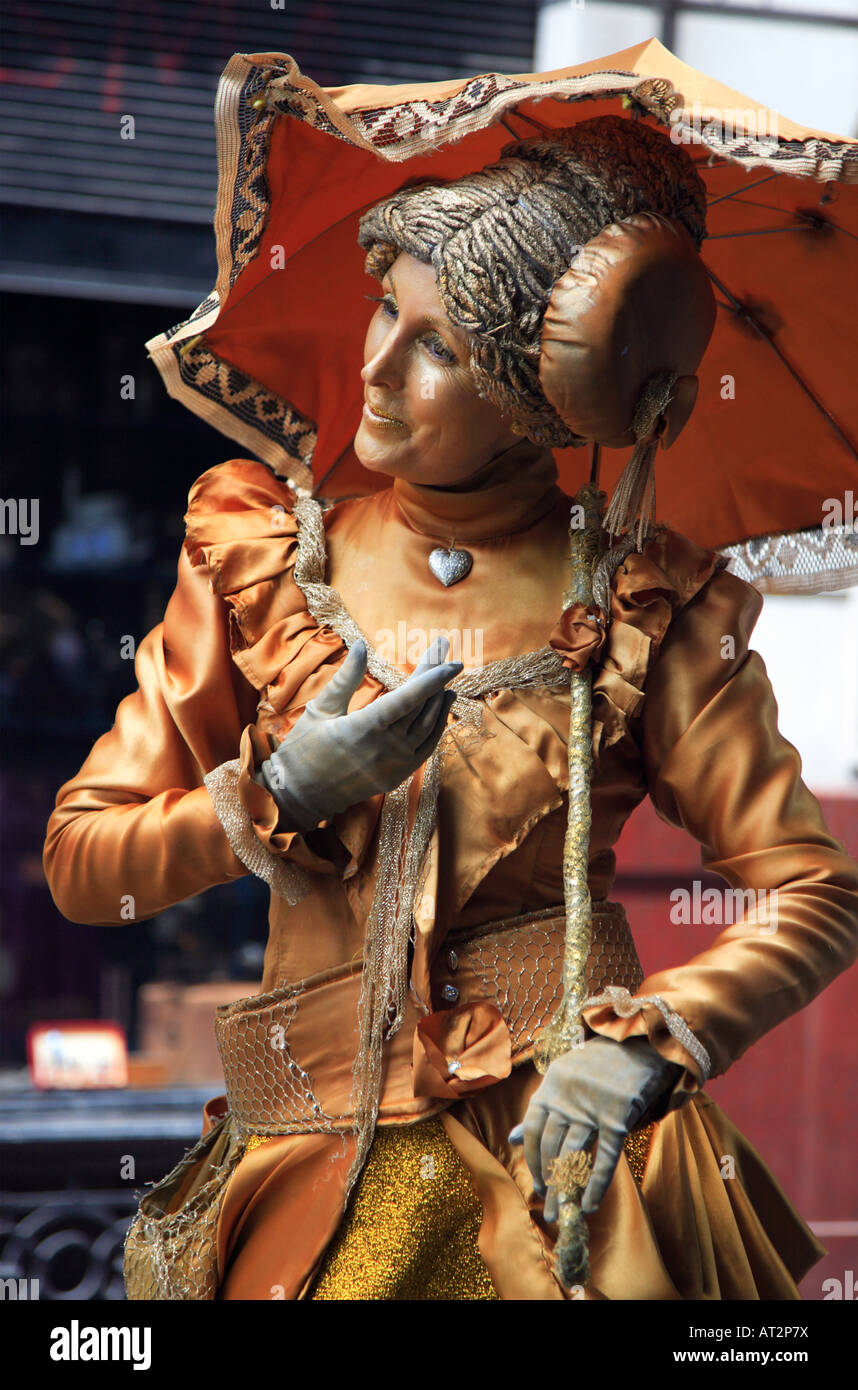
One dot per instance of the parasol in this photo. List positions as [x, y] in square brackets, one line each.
[774, 433]
[767, 468]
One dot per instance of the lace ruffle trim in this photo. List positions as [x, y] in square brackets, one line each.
[625, 1005]
[286, 880]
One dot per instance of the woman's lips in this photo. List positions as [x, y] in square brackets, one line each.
[384, 422]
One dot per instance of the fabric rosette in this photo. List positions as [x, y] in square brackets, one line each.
[461, 1050]
[579, 635]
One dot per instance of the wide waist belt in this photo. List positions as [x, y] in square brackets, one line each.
[287, 1056]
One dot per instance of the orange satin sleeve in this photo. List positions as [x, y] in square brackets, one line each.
[136, 830]
[717, 766]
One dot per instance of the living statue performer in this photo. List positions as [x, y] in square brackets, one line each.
[454, 1053]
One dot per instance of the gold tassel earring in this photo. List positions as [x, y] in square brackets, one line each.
[633, 502]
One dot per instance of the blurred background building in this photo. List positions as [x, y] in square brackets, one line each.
[106, 241]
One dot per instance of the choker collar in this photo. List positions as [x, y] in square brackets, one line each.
[510, 493]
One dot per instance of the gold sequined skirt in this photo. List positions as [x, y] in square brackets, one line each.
[411, 1229]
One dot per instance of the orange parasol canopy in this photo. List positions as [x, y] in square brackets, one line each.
[272, 357]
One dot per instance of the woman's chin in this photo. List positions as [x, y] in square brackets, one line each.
[376, 455]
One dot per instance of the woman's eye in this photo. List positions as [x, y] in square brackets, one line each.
[434, 343]
[386, 301]
[438, 349]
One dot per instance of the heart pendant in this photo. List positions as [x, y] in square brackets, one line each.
[450, 565]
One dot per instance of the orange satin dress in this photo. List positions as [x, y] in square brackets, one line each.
[231, 668]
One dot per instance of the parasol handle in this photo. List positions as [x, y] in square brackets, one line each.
[570, 1173]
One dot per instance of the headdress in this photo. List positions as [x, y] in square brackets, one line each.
[500, 239]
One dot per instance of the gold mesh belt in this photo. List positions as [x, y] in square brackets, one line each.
[283, 1077]
[517, 964]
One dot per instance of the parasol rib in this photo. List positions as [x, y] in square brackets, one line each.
[738, 308]
[722, 197]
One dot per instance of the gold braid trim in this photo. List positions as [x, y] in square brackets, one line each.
[565, 1029]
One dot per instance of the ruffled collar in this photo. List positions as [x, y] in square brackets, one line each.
[239, 528]
[511, 493]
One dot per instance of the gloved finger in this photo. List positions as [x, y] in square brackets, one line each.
[608, 1151]
[434, 654]
[417, 726]
[578, 1136]
[425, 748]
[270, 774]
[534, 1123]
[334, 699]
[553, 1136]
[407, 698]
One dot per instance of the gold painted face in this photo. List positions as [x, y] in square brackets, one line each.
[422, 418]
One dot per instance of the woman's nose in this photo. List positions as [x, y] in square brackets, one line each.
[384, 366]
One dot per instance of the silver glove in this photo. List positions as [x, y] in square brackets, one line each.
[332, 760]
[599, 1090]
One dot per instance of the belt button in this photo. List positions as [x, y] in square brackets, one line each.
[449, 994]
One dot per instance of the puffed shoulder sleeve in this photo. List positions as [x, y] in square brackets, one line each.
[243, 534]
[136, 829]
[717, 766]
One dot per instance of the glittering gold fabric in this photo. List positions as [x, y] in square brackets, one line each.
[411, 1229]
[637, 1150]
[254, 1141]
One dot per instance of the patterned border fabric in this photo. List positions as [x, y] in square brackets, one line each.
[802, 562]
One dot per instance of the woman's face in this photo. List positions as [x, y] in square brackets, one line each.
[441, 432]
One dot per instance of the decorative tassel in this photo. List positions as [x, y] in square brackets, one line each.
[633, 502]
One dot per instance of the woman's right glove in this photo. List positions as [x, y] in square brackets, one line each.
[332, 760]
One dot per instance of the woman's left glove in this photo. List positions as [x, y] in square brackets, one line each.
[600, 1090]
